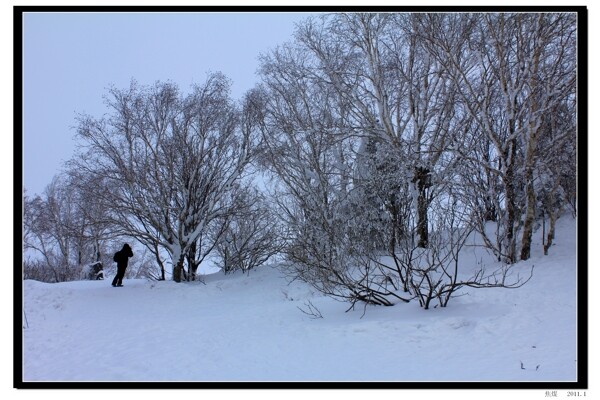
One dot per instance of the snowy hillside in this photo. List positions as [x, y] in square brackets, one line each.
[250, 328]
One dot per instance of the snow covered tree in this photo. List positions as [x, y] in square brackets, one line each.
[305, 150]
[252, 236]
[528, 65]
[170, 162]
[312, 135]
[398, 92]
[512, 70]
[555, 174]
[371, 119]
[66, 231]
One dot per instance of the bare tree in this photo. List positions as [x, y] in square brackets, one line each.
[512, 70]
[555, 175]
[170, 162]
[399, 94]
[253, 234]
[309, 151]
[437, 273]
[65, 231]
[391, 139]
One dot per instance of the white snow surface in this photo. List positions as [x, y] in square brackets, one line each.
[238, 328]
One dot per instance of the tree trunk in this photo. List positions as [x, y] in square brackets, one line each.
[550, 237]
[423, 180]
[191, 260]
[159, 261]
[530, 163]
[489, 213]
[422, 230]
[178, 269]
[553, 214]
[531, 200]
[529, 219]
[98, 255]
[511, 204]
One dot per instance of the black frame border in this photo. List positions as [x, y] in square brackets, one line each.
[582, 382]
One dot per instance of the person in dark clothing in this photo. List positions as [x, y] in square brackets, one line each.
[121, 257]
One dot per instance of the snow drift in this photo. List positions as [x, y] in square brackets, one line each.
[249, 328]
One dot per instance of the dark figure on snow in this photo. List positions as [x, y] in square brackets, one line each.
[121, 257]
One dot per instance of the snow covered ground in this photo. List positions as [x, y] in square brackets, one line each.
[249, 328]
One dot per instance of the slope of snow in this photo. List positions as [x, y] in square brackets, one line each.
[250, 328]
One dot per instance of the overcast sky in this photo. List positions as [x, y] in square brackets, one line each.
[70, 59]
